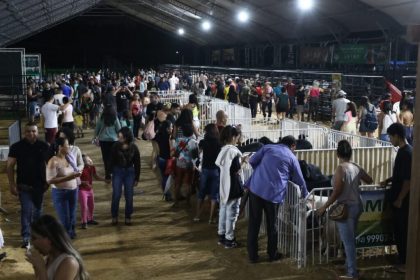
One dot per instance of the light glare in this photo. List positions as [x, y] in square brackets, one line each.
[181, 31]
[305, 5]
[206, 25]
[243, 16]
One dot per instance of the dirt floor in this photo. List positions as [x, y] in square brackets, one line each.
[163, 243]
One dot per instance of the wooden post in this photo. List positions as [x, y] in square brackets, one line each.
[413, 252]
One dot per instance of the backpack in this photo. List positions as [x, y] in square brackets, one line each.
[371, 120]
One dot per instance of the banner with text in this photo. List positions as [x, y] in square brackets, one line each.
[361, 54]
[375, 227]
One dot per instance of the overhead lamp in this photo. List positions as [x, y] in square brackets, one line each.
[305, 5]
[206, 25]
[243, 16]
[181, 31]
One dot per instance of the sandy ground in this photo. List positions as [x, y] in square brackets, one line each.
[163, 243]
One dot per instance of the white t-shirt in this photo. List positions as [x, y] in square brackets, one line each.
[68, 114]
[173, 82]
[49, 111]
[58, 99]
[396, 108]
[340, 107]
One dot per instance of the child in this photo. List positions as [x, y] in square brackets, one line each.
[78, 125]
[86, 197]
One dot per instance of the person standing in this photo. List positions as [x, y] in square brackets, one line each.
[291, 92]
[230, 161]
[136, 108]
[253, 101]
[267, 100]
[30, 157]
[367, 119]
[385, 119]
[300, 101]
[209, 177]
[273, 166]
[244, 95]
[399, 194]
[346, 182]
[339, 108]
[50, 113]
[350, 123]
[314, 94]
[62, 176]
[125, 164]
[407, 120]
[107, 133]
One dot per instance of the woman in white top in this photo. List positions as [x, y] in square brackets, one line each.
[385, 119]
[67, 110]
[62, 176]
[53, 255]
[350, 123]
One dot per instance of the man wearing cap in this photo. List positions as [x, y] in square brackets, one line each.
[339, 107]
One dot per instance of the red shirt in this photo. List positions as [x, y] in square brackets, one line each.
[314, 92]
[291, 89]
[259, 90]
[86, 177]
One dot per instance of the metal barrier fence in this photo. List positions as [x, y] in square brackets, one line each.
[14, 133]
[377, 161]
[325, 138]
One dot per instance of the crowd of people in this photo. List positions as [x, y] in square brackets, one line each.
[123, 109]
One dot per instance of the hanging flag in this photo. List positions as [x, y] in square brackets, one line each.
[395, 92]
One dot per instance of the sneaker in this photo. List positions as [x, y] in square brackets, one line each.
[230, 244]
[25, 244]
[84, 226]
[222, 240]
[93, 223]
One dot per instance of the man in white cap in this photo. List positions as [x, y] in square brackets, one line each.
[339, 107]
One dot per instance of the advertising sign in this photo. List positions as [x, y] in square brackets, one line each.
[33, 65]
[375, 227]
[361, 54]
[315, 55]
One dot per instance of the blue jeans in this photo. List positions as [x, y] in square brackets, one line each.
[347, 230]
[65, 204]
[161, 162]
[31, 210]
[209, 184]
[122, 177]
[384, 137]
[228, 215]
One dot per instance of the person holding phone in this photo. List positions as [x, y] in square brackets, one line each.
[61, 175]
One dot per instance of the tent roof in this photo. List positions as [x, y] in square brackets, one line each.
[271, 20]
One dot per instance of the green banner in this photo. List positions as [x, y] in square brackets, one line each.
[361, 54]
[375, 227]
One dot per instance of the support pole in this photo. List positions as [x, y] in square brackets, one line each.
[413, 252]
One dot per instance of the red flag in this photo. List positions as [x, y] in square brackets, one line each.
[395, 92]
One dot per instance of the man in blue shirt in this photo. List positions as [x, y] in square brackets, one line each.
[274, 166]
[67, 90]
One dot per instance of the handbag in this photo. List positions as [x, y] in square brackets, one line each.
[149, 131]
[95, 141]
[338, 212]
[170, 166]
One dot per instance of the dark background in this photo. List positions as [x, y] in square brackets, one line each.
[114, 42]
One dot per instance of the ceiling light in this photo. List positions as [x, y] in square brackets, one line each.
[305, 5]
[243, 16]
[206, 25]
[181, 31]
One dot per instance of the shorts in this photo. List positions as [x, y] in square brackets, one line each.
[281, 109]
[209, 184]
[300, 109]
